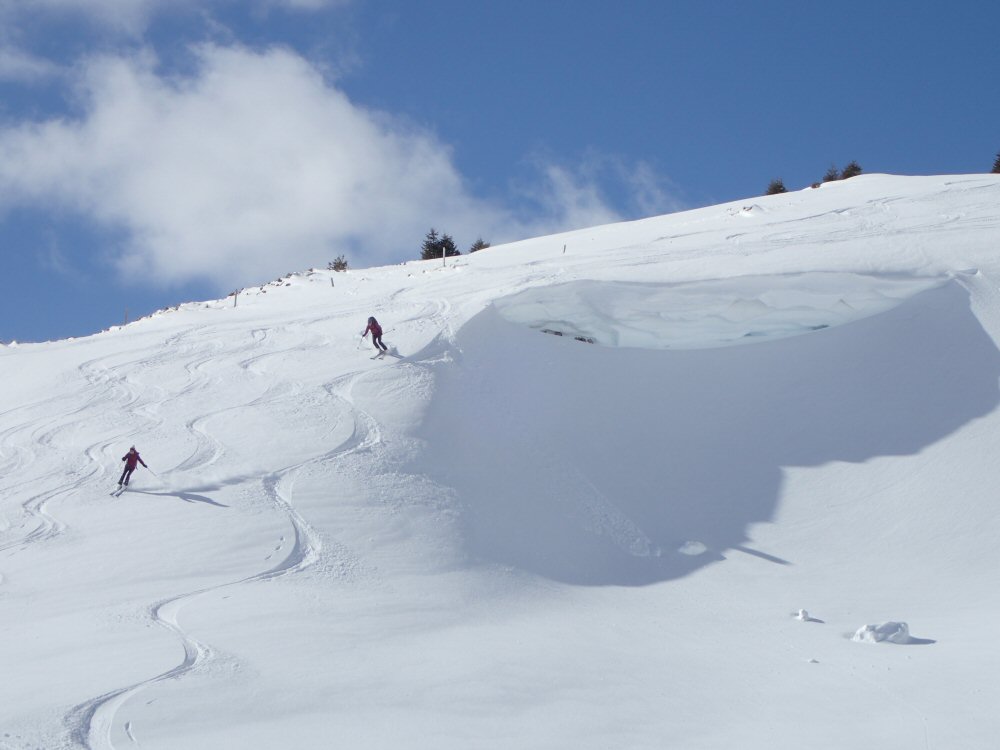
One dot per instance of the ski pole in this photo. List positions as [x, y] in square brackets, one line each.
[152, 472]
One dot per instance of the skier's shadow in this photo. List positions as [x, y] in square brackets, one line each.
[188, 497]
[594, 465]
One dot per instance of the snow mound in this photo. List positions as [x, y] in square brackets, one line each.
[894, 632]
[706, 314]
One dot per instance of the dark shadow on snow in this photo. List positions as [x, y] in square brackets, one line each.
[593, 465]
[189, 497]
[762, 555]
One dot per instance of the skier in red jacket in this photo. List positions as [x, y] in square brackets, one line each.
[131, 459]
[376, 331]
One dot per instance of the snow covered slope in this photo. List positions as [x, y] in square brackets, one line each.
[634, 486]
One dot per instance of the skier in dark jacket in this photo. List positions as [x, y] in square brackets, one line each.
[131, 459]
[376, 331]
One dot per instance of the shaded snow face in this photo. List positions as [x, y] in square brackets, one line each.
[707, 314]
[595, 465]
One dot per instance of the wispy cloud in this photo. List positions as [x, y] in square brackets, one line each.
[308, 4]
[23, 67]
[133, 17]
[51, 258]
[596, 188]
[130, 16]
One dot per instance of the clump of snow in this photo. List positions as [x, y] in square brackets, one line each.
[894, 632]
[693, 549]
[803, 615]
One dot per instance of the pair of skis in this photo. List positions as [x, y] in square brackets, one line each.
[122, 487]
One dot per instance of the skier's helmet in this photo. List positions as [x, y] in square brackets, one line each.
[371, 320]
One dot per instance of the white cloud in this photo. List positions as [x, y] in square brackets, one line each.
[253, 167]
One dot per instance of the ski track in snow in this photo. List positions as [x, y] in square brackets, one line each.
[40, 524]
[92, 723]
[107, 392]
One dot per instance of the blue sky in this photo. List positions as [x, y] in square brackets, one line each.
[158, 151]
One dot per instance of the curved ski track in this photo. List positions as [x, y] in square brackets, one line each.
[106, 390]
[91, 724]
